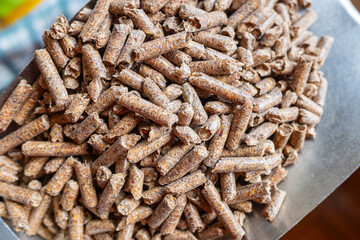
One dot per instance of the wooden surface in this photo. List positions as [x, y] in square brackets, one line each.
[338, 217]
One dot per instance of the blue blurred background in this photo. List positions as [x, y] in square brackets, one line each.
[19, 39]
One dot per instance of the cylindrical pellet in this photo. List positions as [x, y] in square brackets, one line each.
[160, 46]
[194, 157]
[69, 195]
[157, 77]
[187, 183]
[154, 195]
[282, 135]
[190, 96]
[260, 133]
[49, 149]
[20, 194]
[272, 208]
[55, 50]
[215, 67]
[240, 164]
[217, 143]
[94, 227]
[86, 185]
[95, 20]
[117, 150]
[53, 165]
[239, 125]
[134, 40]
[162, 211]
[135, 182]
[251, 191]
[169, 160]
[85, 128]
[124, 126]
[57, 182]
[33, 168]
[147, 109]
[126, 233]
[301, 75]
[220, 89]
[51, 76]
[110, 194]
[154, 93]
[298, 136]
[37, 215]
[282, 115]
[228, 186]
[308, 104]
[137, 215]
[92, 59]
[76, 223]
[13, 104]
[267, 101]
[169, 225]
[17, 215]
[193, 218]
[225, 216]
[200, 22]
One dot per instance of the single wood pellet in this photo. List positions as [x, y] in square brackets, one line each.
[161, 119]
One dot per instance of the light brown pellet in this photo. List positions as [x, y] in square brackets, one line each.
[127, 205]
[241, 13]
[94, 227]
[134, 40]
[154, 93]
[147, 109]
[69, 195]
[173, 91]
[186, 183]
[240, 164]
[61, 216]
[194, 157]
[228, 186]
[308, 104]
[37, 215]
[157, 77]
[187, 135]
[85, 128]
[10, 163]
[86, 185]
[14, 103]
[53, 165]
[289, 98]
[34, 166]
[217, 143]
[223, 212]
[51, 76]
[178, 57]
[193, 218]
[55, 50]
[57, 182]
[239, 125]
[267, 101]
[49, 149]
[282, 115]
[95, 19]
[213, 231]
[282, 135]
[135, 182]
[169, 225]
[251, 191]
[180, 235]
[18, 216]
[103, 174]
[76, 226]
[190, 96]
[160, 46]
[220, 89]
[260, 133]
[140, 213]
[117, 150]
[271, 209]
[141, 20]
[205, 21]
[298, 135]
[175, 74]
[162, 211]
[109, 195]
[276, 176]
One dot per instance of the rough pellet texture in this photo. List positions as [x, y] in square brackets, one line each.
[161, 119]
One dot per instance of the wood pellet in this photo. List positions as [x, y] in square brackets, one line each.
[161, 119]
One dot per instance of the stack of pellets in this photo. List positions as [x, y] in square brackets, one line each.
[161, 119]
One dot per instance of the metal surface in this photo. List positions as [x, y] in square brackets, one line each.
[325, 162]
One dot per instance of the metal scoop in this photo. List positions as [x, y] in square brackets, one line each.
[325, 162]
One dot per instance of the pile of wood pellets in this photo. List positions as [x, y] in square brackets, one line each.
[161, 119]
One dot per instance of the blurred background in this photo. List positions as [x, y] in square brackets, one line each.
[22, 23]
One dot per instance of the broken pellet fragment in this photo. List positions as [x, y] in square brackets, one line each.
[298, 135]
[134, 40]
